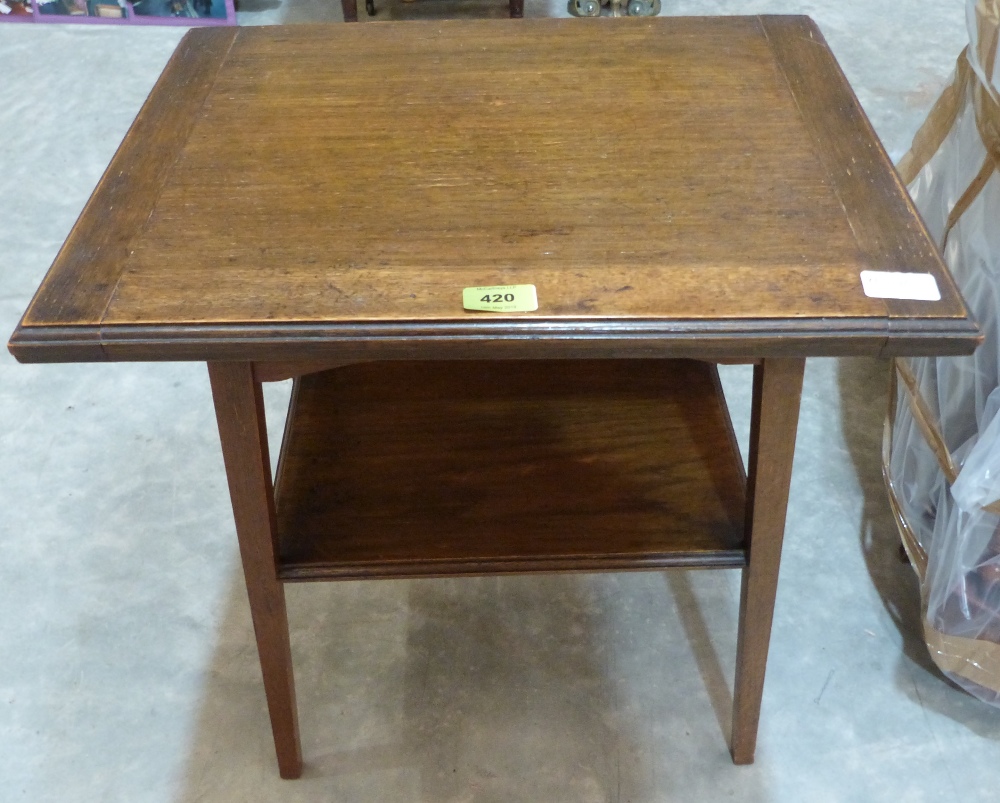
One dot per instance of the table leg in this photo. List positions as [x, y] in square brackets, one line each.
[350, 9]
[777, 390]
[239, 409]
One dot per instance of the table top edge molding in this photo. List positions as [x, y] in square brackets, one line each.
[483, 338]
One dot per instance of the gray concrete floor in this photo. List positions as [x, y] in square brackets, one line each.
[127, 664]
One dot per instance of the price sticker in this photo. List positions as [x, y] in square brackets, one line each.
[911, 286]
[501, 298]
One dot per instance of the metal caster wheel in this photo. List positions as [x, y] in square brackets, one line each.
[585, 8]
[643, 8]
[370, 7]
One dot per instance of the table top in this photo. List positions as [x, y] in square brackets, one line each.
[671, 186]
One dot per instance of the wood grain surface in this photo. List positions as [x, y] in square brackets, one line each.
[433, 468]
[78, 287]
[777, 390]
[708, 178]
[239, 408]
[881, 214]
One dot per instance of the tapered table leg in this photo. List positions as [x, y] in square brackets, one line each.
[777, 390]
[239, 409]
[350, 9]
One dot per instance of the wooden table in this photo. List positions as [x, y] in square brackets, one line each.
[680, 192]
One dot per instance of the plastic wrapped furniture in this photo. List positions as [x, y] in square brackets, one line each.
[942, 445]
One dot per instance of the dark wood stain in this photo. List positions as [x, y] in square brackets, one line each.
[289, 202]
[415, 468]
[239, 408]
[712, 190]
[889, 233]
[78, 288]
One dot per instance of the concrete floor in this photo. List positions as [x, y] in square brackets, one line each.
[127, 664]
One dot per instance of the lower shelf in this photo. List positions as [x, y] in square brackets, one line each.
[411, 469]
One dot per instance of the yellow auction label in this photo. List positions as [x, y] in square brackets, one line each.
[503, 298]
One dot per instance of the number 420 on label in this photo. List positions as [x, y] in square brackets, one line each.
[501, 298]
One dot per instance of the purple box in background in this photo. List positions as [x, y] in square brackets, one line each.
[129, 12]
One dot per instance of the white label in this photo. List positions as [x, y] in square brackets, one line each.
[911, 286]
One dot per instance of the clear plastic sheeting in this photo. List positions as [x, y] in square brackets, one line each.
[942, 447]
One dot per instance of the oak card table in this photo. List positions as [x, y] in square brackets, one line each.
[681, 192]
